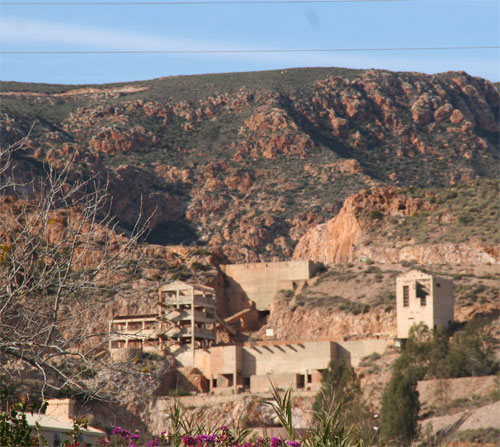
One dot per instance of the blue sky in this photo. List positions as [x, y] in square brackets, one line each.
[389, 24]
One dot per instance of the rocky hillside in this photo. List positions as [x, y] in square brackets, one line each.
[247, 163]
[457, 225]
[349, 301]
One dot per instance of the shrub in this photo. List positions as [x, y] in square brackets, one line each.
[374, 214]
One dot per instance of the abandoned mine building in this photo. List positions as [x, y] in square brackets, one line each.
[185, 321]
[423, 298]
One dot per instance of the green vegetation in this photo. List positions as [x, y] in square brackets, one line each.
[400, 407]
[467, 211]
[14, 428]
[433, 354]
[438, 354]
[340, 388]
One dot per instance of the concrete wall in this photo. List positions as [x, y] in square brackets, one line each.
[267, 359]
[50, 435]
[354, 350]
[259, 282]
[439, 303]
[443, 301]
[296, 364]
[262, 384]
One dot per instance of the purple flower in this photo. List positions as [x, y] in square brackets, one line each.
[153, 443]
[223, 428]
[276, 442]
[293, 443]
[188, 440]
[206, 439]
[117, 430]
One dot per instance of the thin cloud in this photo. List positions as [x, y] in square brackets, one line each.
[28, 34]
[27, 31]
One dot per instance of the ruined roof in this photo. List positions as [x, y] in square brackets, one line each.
[58, 423]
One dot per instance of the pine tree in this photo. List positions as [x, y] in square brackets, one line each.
[400, 407]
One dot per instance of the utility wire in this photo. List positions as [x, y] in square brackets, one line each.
[199, 2]
[192, 2]
[292, 50]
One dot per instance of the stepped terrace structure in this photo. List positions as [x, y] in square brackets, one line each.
[423, 298]
[186, 315]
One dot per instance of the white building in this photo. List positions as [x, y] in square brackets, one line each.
[423, 298]
[56, 425]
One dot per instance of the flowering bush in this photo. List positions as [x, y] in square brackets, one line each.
[221, 438]
[224, 438]
[329, 430]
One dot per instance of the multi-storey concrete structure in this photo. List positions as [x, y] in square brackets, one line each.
[423, 298]
[186, 316]
[187, 313]
[185, 324]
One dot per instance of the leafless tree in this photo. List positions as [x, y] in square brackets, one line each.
[61, 263]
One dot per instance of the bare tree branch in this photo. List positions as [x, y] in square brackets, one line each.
[61, 263]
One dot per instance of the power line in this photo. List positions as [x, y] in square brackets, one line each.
[291, 50]
[197, 2]
[193, 2]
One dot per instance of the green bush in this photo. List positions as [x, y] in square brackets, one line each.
[432, 354]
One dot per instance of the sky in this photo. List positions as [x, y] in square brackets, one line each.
[105, 31]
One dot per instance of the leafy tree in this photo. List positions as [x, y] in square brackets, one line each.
[432, 354]
[437, 354]
[339, 382]
[341, 398]
[400, 407]
[14, 428]
[471, 352]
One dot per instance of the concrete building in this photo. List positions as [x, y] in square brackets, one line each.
[423, 298]
[186, 315]
[57, 422]
[185, 324]
[251, 366]
[295, 364]
[258, 282]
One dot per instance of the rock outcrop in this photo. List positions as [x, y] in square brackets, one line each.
[358, 232]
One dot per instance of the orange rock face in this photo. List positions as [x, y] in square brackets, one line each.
[345, 238]
[336, 240]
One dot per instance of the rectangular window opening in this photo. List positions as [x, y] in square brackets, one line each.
[301, 380]
[406, 296]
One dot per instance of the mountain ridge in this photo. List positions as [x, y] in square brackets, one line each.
[245, 163]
